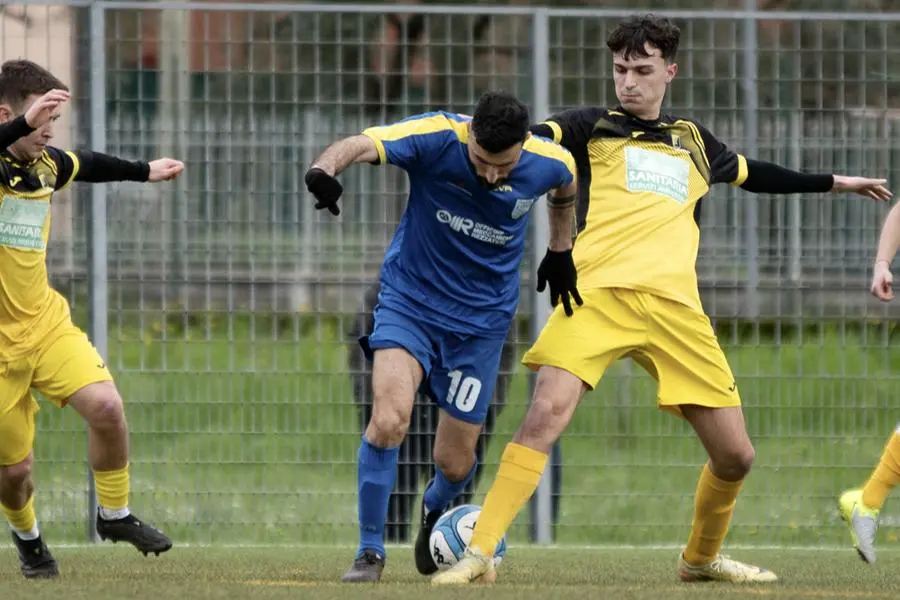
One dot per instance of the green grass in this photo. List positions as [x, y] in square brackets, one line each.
[244, 430]
[276, 573]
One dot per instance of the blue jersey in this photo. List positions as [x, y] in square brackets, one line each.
[454, 259]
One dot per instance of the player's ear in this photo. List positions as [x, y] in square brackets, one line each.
[6, 113]
[671, 70]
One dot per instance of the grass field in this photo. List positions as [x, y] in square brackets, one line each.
[244, 430]
[313, 573]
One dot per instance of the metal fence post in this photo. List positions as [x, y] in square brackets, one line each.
[751, 207]
[542, 516]
[96, 238]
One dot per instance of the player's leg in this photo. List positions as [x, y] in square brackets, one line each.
[395, 376]
[462, 384]
[455, 467]
[696, 382]
[70, 371]
[522, 464]
[860, 507]
[17, 429]
[400, 350]
[724, 436]
[571, 355]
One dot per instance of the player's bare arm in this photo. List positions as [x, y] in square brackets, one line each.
[888, 244]
[345, 152]
[561, 206]
[557, 269]
[320, 178]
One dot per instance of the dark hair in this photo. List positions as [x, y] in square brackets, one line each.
[630, 35]
[500, 121]
[20, 79]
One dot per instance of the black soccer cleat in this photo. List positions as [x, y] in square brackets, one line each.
[35, 559]
[366, 568]
[143, 536]
[425, 564]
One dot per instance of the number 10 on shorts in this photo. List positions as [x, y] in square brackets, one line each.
[463, 392]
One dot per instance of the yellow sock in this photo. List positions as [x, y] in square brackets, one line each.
[713, 506]
[886, 475]
[517, 478]
[22, 519]
[112, 488]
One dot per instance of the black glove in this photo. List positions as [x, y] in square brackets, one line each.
[325, 188]
[558, 270]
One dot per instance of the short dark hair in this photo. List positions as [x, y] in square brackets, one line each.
[630, 36]
[500, 121]
[20, 79]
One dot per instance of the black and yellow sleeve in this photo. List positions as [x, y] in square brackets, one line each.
[756, 176]
[570, 128]
[725, 165]
[66, 165]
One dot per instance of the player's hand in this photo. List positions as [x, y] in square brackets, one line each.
[882, 282]
[325, 188]
[40, 113]
[557, 270]
[165, 169]
[870, 188]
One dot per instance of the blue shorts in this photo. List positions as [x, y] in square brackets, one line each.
[460, 370]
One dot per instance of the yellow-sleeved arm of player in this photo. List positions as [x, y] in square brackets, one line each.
[415, 140]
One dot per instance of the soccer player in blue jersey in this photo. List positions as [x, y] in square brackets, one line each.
[449, 288]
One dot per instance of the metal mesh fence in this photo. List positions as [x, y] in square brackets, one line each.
[233, 305]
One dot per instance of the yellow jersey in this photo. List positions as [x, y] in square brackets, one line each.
[29, 308]
[640, 184]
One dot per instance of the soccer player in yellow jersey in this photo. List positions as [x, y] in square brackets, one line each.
[641, 175]
[860, 507]
[40, 347]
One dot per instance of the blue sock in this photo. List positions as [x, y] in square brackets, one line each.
[441, 492]
[376, 472]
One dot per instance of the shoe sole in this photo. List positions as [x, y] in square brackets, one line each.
[155, 551]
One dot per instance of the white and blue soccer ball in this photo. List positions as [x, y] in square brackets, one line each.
[453, 532]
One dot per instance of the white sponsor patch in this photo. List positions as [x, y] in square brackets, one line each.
[657, 173]
[22, 223]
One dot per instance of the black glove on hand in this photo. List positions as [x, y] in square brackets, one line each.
[325, 188]
[558, 270]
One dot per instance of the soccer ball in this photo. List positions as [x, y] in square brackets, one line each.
[453, 532]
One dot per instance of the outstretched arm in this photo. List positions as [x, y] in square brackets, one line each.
[888, 244]
[769, 178]
[409, 144]
[96, 167]
[343, 153]
[760, 177]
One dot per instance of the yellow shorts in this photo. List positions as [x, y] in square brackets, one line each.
[62, 364]
[673, 342]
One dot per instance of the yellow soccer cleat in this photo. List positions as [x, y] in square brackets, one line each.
[473, 567]
[862, 521]
[724, 569]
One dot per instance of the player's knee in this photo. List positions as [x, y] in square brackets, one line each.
[734, 464]
[17, 475]
[454, 462]
[106, 410]
[388, 426]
